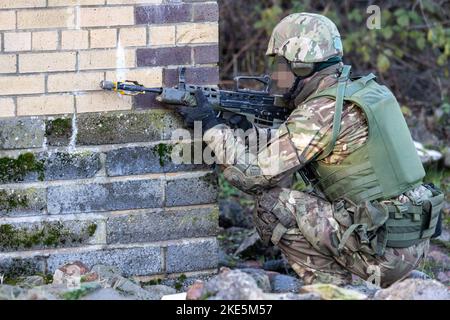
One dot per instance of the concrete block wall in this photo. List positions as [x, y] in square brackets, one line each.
[84, 174]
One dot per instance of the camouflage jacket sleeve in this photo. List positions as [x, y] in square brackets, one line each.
[250, 163]
[294, 144]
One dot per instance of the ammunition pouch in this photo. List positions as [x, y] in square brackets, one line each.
[367, 221]
[411, 223]
[379, 225]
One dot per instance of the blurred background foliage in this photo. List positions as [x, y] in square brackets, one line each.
[410, 53]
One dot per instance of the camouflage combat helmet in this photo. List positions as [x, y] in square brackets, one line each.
[305, 37]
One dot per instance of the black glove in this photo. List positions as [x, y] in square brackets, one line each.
[202, 112]
[239, 122]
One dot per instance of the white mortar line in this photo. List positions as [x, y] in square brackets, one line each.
[93, 148]
[103, 214]
[102, 180]
[49, 217]
[93, 248]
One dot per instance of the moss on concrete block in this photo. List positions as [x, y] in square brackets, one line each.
[11, 201]
[58, 131]
[16, 170]
[163, 151]
[14, 268]
[49, 166]
[26, 236]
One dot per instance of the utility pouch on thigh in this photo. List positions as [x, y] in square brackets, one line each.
[263, 224]
[272, 219]
[411, 223]
[341, 214]
[369, 220]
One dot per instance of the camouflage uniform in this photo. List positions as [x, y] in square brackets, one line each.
[311, 227]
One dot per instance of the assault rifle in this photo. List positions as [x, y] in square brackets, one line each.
[258, 106]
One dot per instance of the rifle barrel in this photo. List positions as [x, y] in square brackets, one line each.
[123, 86]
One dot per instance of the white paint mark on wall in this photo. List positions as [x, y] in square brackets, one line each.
[73, 138]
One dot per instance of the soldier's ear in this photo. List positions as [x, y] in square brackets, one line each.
[301, 69]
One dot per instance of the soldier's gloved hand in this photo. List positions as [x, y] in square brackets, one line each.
[239, 122]
[202, 112]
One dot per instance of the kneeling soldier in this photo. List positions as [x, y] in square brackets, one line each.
[367, 211]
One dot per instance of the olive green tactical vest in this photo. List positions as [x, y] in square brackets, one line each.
[388, 164]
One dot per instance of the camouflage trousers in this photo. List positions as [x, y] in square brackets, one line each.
[306, 230]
